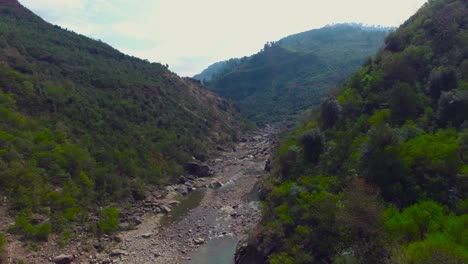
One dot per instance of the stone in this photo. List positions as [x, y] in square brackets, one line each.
[215, 184]
[182, 180]
[63, 259]
[199, 241]
[147, 235]
[118, 252]
[182, 189]
[118, 238]
[173, 203]
[165, 209]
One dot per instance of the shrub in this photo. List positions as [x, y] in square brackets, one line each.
[453, 106]
[330, 112]
[37, 232]
[109, 220]
[441, 79]
[312, 143]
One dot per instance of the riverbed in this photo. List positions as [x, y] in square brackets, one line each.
[206, 226]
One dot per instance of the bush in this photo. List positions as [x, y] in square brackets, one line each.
[2, 241]
[453, 106]
[37, 232]
[109, 221]
[330, 112]
[312, 143]
[441, 79]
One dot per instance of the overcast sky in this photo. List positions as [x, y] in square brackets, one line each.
[189, 35]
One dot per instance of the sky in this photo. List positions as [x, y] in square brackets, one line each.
[190, 35]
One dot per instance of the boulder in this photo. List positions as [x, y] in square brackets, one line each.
[197, 169]
[215, 184]
[147, 235]
[63, 259]
[165, 209]
[173, 203]
[199, 241]
[118, 252]
[182, 189]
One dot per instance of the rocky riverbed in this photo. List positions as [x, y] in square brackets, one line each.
[225, 207]
[204, 214]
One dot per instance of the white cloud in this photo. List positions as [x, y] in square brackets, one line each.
[189, 35]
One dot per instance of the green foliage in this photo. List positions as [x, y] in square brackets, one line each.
[83, 125]
[29, 231]
[330, 112]
[380, 117]
[313, 144]
[295, 72]
[427, 233]
[442, 79]
[2, 241]
[453, 106]
[401, 143]
[109, 222]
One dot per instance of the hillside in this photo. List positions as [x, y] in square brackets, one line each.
[83, 126]
[378, 173]
[296, 71]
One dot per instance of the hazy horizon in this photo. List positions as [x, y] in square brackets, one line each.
[190, 36]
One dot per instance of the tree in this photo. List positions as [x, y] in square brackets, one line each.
[330, 112]
[441, 79]
[453, 108]
[312, 143]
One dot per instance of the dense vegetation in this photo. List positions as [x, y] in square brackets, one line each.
[296, 71]
[378, 174]
[83, 125]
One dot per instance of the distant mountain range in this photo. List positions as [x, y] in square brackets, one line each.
[292, 74]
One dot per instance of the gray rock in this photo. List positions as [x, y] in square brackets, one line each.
[63, 259]
[118, 252]
[147, 235]
[199, 241]
[215, 184]
[173, 203]
[165, 209]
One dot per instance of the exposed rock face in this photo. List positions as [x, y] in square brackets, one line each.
[197, 169]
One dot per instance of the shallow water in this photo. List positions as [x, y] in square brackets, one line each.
[187, 203]
[216, 251]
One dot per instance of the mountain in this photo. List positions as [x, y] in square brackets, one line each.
[216, 68]
[378, 173]
[296, 71]
[83, 125]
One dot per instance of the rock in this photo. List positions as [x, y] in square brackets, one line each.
[147, 235]
[165, 209]
[267, 166]
[197, 169]
[215, 184]
[63, 259]
[199, 241]
[118, 252]
[234, 214]
[124, 226]
[173, 203]
[182, 189]
[182, 180]
[118, 238]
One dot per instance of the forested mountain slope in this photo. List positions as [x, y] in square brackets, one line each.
[295, 72]
[378, 174]
[83, 125]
